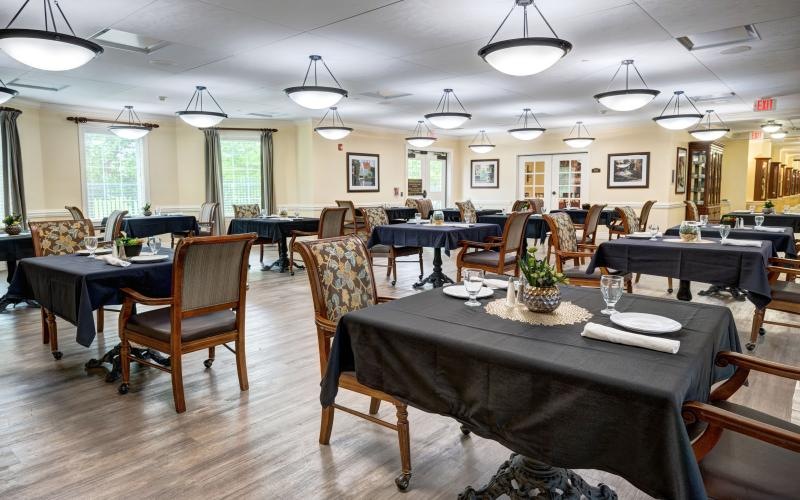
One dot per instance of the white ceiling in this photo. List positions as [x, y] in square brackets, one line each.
[247, 51]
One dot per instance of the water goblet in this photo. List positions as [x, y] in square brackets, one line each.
[611, 286]
[154, 244]
[91, 244]
[724, 231]
[703, 220]
[263, 213]
[759, 220]
[653, 232]
[473, 282]
[417, 217]
[297, 214]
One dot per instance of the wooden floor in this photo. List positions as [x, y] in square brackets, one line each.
[65, 433]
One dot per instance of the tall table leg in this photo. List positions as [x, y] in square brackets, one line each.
[523, 478]
[437, 278]
[685, 290]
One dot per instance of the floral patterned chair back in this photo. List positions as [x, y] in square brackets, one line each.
[424, 207]
[630, 222]
[248, 211]
[564, 236]
[75, 212]
[537, 205]
[521, 206]
[692, 213]
[374, 216]
[114, 225]
[411, 203]
[59, 237]
[468, 212]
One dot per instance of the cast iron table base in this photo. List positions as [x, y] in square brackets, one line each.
[5, 301]
[716, 291]
[437, 278]
[521, 478]
[112, 358]
[685, 291]
[282, 263]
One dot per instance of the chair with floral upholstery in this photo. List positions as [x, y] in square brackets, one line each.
[205, 222]
[496, 255]
[411, 203]
[331, 224]
[251, 211]
[60, 237]
[376, 216]
[629, 222]
[342, 281]
[521, 206]
[468, 212]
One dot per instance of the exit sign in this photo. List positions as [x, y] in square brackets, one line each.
[756, 135]
[764, 104]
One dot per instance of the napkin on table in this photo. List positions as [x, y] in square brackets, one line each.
[601, 332]
[495, 283]
[113, 261]
[768, 229]
[741, 243]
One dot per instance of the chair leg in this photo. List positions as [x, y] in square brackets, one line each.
[374, 405]
[421, 268]
[241, 365]
[261, 257]
[405, 447]
[101, 320]
[172, 241]
[326, 425]
[176, 370]
[394, 271]
[210, 361]
[638, 277]
[389, 267]
[549, 248]
[458, 274]
[53, 328]
[758, 321]
[125, 364]
[669, 285]
[629, 286]
[291, 256]
[45, 327]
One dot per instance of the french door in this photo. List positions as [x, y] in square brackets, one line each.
[426, 174]
[560, 180]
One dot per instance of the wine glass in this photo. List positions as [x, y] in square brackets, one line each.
[724, 231]
[91, 244]
[263, 213]
[653, 231]
[297, 214]
[473, 282]
[759, 220]
[417, 217]
[703, 220]
[154, 244]
[611, 287]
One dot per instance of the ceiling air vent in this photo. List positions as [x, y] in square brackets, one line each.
[16, 82]
[719, 38]
[132, 42]
[385, 95]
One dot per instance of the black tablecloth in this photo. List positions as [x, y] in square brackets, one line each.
[153, 225]
[578, 215]
[742, 267]
[273, 228]
[773, 220]
[454, 215]
[14, 248]
[429, 235]
[781, 242]
[546, 392]
[536, 229]
[72, 286]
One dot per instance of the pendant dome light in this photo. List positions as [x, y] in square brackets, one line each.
[707, 133]
[334, 131]
[578, 141]
[316, 96]
[419, 138]
[201, 118]
[133, 129]
[678, 120]
[6, 94]
[45, 49]
[445, 118]
[526, 133]
[771, 126]
[780, 134]
[527, 55]
[481, 143]
[627, 99]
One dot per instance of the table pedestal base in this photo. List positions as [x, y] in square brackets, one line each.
[685, 291]
[282, 263]
[715, 290]
[437, 278]
[5, 301]
[112, 358]
[523, 478]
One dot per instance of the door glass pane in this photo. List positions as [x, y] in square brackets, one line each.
[569, 183]
[437, 176]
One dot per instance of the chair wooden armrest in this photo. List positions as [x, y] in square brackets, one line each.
[326, 325]
[137, 297]
[758, 364]
[587, 246]
[784, 261]
[774, 272]
[383, 300]
[477, 244]
[296, 232]
[490, 239]
[574, 255]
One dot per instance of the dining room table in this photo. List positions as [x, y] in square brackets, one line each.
[440, 237]
[782, 238]
[275, 229]
[578, 215]
[14, 247]
[536, 229]
[140, 226]
[786, 219]
[549, 394]
[454, 214]
[396, 214]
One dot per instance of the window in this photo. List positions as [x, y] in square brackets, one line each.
[241, 171]
[114, 173]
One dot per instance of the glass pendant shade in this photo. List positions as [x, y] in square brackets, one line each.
[198, 116]
[336, 130]
[442, 117]
[780, 134]
[522, 131]
[421, 138]
[481, 143]
[677, 120]
[133, 129]
[6, 94]
[627, 99]
[578, 141]
[316, 96]
[771, 127]
[709, 133]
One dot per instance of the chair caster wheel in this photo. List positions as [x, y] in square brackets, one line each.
[750, 346]
[393, 282]
[669, 290]
[465, 431]
[123, 389]
[207, 363]
[761, 331]
[402, 480]
[57, 355]
[420, 276]
[291, 273]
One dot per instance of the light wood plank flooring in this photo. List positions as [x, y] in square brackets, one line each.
[65, 433]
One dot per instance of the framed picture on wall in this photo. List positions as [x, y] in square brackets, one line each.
[681, 164]
[629, 170]
[363, 173]
[484, 174]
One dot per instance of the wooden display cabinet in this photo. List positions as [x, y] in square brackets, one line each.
[704, 178]
[762, 174]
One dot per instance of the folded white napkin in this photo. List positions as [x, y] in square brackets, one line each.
[601, 332]
[495, 283]
[741, 243]
[457, 224]
[769, 229]
[113, 261]
[644, 234]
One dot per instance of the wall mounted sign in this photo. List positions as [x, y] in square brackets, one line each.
[414, 187]
[596, 170]
[756, 135]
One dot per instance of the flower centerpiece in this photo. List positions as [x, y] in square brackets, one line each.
[13, 223]
[131, 246]
[729, 220]
[689, 231]
[769, 207]
[283, 213]
[586, 206]
[540, 291]
[146, 210]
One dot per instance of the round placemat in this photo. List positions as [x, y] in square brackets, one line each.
[566, 314]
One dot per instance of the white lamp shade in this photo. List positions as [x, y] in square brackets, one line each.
[524, 56]
[448, 120]
[779, 134]
[333, 133]
[201, 119]
[6, 94]
[481, 148]
[526, 134]
[771, 127]
[46, 50]
[709, 134]
[420, 142]
[578, 142]
[315, 97]
[131, 132]
[626, 100]
[678, 122]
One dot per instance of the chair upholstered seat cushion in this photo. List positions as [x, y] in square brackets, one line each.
[380, 249]
[400, 251]
[488, 258]
[786, 291]
[155, 324]
[580, 273]
[618, 228]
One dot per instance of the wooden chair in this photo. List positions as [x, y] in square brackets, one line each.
[326, 256]
[785, 296]
[251, 211]
[205, 221]
[376, 216]
[206, 309]
[411, 203]
[113, 226]
[467, 211]
[424, 207]
[352, 221]
[589, 236]
[60, 237]
[692, 213]
[521, 206]
[497, 254]
[75, 212]
[537, 205]
[331, 224]
[566, 247]
[644, 215]
[628, 224]
[743, 452]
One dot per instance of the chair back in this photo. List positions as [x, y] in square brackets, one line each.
[411, 203]
[645, 214]
[590, 225]
[351, 209]
[374, 216]
[207, 210]
[75, 212]
[424, 207]
[59, 237]
[521, 206]
[248, 211]
[630, 223]
[514, 232]
[331, 222]
[692, 213]
[562, 231]
[468, 212]
[536, 205]
[114, 225]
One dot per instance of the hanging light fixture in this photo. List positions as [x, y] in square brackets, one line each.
[578, 141]
[527, 55]
[201, 118]
[627, 99]
[336, 130]
[45, 49]
[771, 126]
[678, 120]
[419, 138]
[316, 96]
[780, 134]
[445, 118]
[707, 133]
[526, 133]
[133, 129]
[6, 94]
[481, 143]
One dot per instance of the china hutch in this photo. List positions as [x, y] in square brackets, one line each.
[774, 180]
[762, 174]
[704, 177]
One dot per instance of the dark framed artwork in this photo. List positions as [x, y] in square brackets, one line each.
[484, 174]
[363, 173]
[628, 170]
[681, 166]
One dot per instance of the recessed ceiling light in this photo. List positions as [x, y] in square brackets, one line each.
[718, 38]
[34, 85]
[132, 42]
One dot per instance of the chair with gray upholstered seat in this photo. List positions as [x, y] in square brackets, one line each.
[376, 216]
[785, 296]
[497, 254]
[113, 226]
[353, 223]
[205, 222]
[251, 211]
[331, 224]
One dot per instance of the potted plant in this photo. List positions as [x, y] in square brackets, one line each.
[769, 207]
[146, 210]
[284, 212]
[13, 223]
[131, 246]
[688, 231]
[540, 291]
[729, 220]
[438, 217]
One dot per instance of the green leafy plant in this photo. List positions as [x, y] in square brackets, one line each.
[730, 220]
[125, 241]
[688, 229]
[539, 273]
[146, 207]
[769, 204]
[12, 220]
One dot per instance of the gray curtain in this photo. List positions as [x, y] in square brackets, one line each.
[214, 177]
[268, 173]
[13, 185]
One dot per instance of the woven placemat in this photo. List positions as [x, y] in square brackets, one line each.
[566, 314]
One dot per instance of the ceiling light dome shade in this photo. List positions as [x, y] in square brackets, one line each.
[443, 117]
[481, 143]
[198, 116]
[677, 120]
[421, 138]
[709, 133]
[522, 131]
[133, 129]
[47, 50]
[771, 126]
[780, 134]
[578, 141]
[336, 130]
[6, 94]
[626, 99]
[316, 96]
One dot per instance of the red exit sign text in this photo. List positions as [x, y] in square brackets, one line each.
[764, 104]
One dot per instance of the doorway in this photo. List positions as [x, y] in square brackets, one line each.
[559, 180]
[426, 175]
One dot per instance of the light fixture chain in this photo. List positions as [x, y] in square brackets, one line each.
[321, 122]
[573, 130]
[695, 107]
[305, 79]
[441, 102]
[215, 101]
[120, 114]
[640, 76]
[459, 102]
[544, 19]
[504, 22]
[65, 18]
[52, 17]
[525, 22]
[613, 77]
[17, 14]
[330, 73]
[537, 120]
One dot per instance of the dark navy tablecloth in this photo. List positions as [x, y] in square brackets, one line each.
[454, 215]
[578, 215]
[14, 248]
[432, 236]
[400, 213]
[772, 220]
[273, 228]
[782, 242]
[153, 225]
[536, 229]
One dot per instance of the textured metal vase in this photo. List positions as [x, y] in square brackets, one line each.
[13, 229]
[541, 299]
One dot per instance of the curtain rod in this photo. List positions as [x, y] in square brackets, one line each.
[82, 119]
[244, 129]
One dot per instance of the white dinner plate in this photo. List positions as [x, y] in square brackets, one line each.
[149, 258]
[99, 251]
[460, 292]
[640, 235]
[645, 323]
